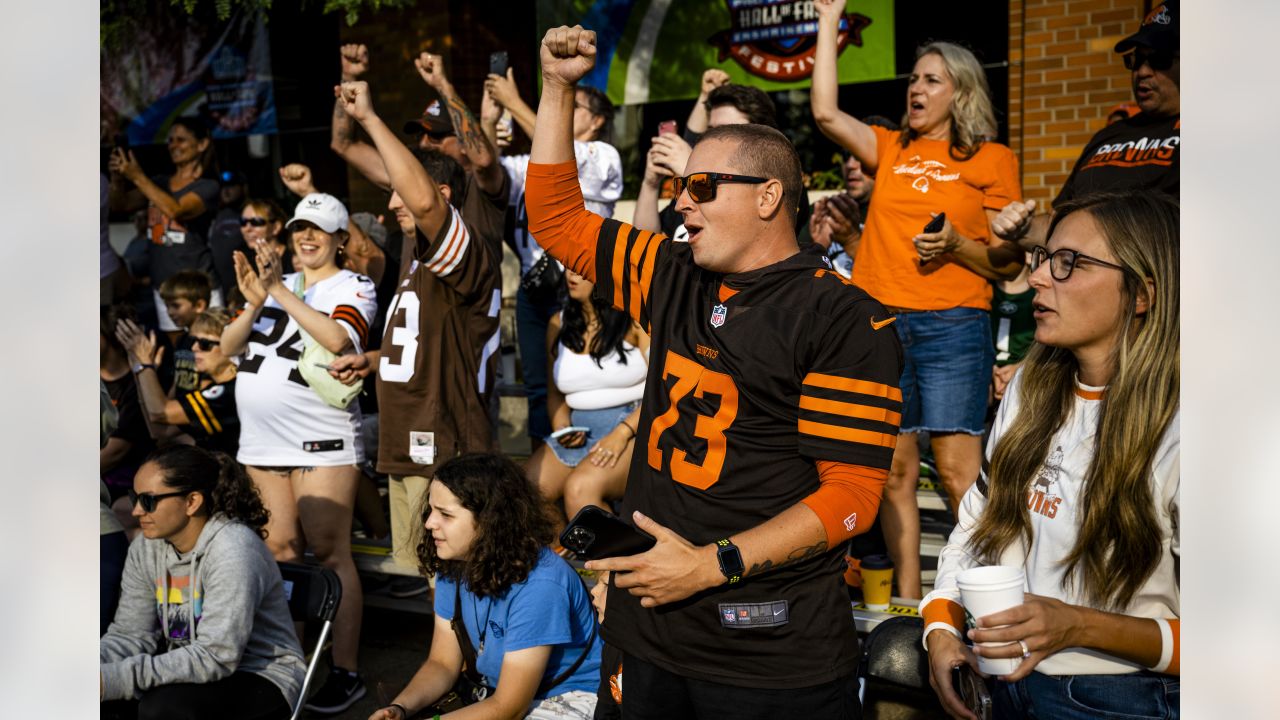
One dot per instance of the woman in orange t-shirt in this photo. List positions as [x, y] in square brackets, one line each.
[936, 284]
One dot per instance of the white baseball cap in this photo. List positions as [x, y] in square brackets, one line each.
[324, 211]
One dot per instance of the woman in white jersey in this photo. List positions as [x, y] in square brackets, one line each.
[598, 358]
[301, 452]
[1082, 486]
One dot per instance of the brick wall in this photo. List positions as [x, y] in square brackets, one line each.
[1064, 77]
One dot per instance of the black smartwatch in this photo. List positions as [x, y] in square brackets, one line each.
[730, 558]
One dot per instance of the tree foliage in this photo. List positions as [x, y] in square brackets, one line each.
[118, 18]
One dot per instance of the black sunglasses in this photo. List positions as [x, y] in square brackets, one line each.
[254, 221]
[205, 344]
[702, 185]
[150, 500]
[1063, 262]
[1157, 59]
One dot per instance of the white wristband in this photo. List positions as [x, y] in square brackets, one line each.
[924, 639]
[1166, 646]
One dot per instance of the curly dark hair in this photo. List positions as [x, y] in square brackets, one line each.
[614, 326]
[512, 523]
[224, 484]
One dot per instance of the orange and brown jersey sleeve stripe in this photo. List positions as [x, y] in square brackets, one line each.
[635, 255]
[860, 415]
[351, 316]
[558, 220]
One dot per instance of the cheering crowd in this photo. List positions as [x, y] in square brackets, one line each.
[737, 373]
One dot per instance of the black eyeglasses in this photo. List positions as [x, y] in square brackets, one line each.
[150, 500]
[1063, 262]
[1157, 59]
[254, 221]
[205, 344]
[702, 186]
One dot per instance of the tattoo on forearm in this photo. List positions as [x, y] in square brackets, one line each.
[344, 128]
[470, 134]
[795, 556]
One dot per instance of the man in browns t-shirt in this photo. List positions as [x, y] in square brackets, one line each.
[438, 355]
[770, 415]
[1137, 152]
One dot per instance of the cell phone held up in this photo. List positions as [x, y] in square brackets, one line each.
[498, 63]
[933, 226]
[595, 533]
[667, 127]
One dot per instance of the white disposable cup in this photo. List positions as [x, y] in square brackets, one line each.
[988, 590]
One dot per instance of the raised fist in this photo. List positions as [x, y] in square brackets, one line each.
[297, 177]
[431, 68]
[713, 78]
[567, 54]
[355, 61]
[1014, 220]
[354, 97]
[829, 9]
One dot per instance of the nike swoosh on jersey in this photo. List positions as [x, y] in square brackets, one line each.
[877, 325]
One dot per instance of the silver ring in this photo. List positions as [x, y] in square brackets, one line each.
[1026, 652]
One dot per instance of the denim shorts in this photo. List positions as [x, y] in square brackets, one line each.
[947, 359]
[1133, 696]
[601, 422]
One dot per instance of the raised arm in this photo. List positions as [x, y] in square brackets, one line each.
[124, 164]
[419, 193]
[843, 128]
[143, 351]
[503, 90]
[342, 138]
[480, 151]
[712, 78]
[646, 214]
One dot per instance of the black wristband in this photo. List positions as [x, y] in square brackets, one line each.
[143, 366]
[627, 426]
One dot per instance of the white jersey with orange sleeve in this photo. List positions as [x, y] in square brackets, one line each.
[283, 423]
[1053, 501]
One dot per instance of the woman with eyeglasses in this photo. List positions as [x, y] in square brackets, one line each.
[203, 627]
[208, 414]
[1082, 491]
[302, 453]
[515, 611]
[599, 359]
[180, 205]
[935, 281]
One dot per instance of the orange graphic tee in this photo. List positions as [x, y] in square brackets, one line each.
[911, 183]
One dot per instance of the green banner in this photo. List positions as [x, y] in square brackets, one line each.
[656, 50]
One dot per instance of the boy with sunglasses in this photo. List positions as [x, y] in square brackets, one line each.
[1142, 151]
[770, 415]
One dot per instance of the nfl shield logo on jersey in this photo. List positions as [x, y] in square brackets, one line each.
[718, 314]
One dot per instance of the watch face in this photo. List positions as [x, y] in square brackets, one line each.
[730, 560]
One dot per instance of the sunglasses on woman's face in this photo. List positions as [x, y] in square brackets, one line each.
[1159, 60]
[702, 186]
[150, 500]
[205, 344]
[254, 221]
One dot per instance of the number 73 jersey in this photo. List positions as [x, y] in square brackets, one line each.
[752, 378]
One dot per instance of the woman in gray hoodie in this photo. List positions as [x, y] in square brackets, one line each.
[203, 628]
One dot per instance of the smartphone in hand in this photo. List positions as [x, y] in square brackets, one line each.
[667, 127]
[595, 533]
[933, 226]
[569, 430]
[498, 63]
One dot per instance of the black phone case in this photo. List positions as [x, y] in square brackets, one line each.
[936, 224]
[594, 533]
[498, 63]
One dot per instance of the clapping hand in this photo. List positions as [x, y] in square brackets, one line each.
[141, 346]
[270, 274]
[248, 281]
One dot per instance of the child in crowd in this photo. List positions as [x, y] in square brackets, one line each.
[186, 294]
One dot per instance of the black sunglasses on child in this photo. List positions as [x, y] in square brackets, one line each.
[150, 500]
[254, 221]
[702, 185]
[205, 344]
[1158, 59]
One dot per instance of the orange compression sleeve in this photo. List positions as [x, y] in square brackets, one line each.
[1174, 624]
[848, 500]
[942, 610]
[557, 218]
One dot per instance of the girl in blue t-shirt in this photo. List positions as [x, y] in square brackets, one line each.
[525, 611]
